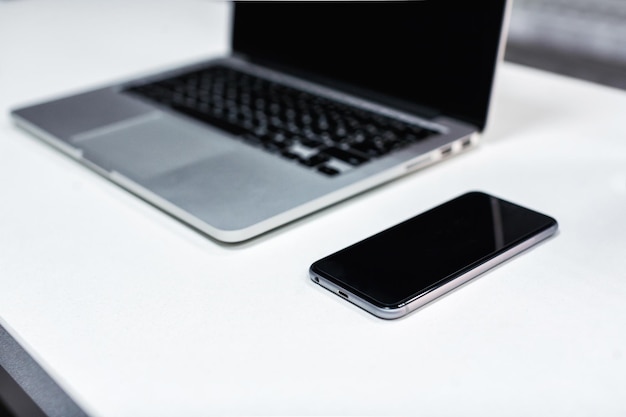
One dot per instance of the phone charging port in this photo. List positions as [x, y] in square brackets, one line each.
[343, 294]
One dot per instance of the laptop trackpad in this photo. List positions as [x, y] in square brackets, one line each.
[150, 145]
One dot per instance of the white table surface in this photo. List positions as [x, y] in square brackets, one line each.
[135, 314]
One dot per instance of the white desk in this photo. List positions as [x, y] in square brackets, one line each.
[135, 314]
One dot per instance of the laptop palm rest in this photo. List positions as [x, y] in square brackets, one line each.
[210, 176]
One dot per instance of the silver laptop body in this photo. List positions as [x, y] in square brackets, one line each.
[219, 182]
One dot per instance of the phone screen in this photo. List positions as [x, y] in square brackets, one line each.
[431, 249]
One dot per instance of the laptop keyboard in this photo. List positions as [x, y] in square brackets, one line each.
[316, 132]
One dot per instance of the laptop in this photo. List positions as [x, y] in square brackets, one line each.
[317, 102]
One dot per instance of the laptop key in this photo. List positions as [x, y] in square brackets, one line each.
[366, 148]
[345, 155]
[315, 160]
[328, 170]
[311, 143]
[290, 155]
[220, 123]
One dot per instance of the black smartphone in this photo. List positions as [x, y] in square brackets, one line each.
[408, 265]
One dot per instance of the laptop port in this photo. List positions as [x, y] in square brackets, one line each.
[343, 294]
[446, 151]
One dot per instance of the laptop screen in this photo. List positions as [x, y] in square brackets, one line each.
[426, 57]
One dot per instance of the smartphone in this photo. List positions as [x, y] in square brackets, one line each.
[408, 265]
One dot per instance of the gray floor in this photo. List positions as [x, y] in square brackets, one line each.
[26, 390]
[578, 38]
[608, 73]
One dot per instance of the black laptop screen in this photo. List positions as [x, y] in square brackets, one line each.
[432, 54]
